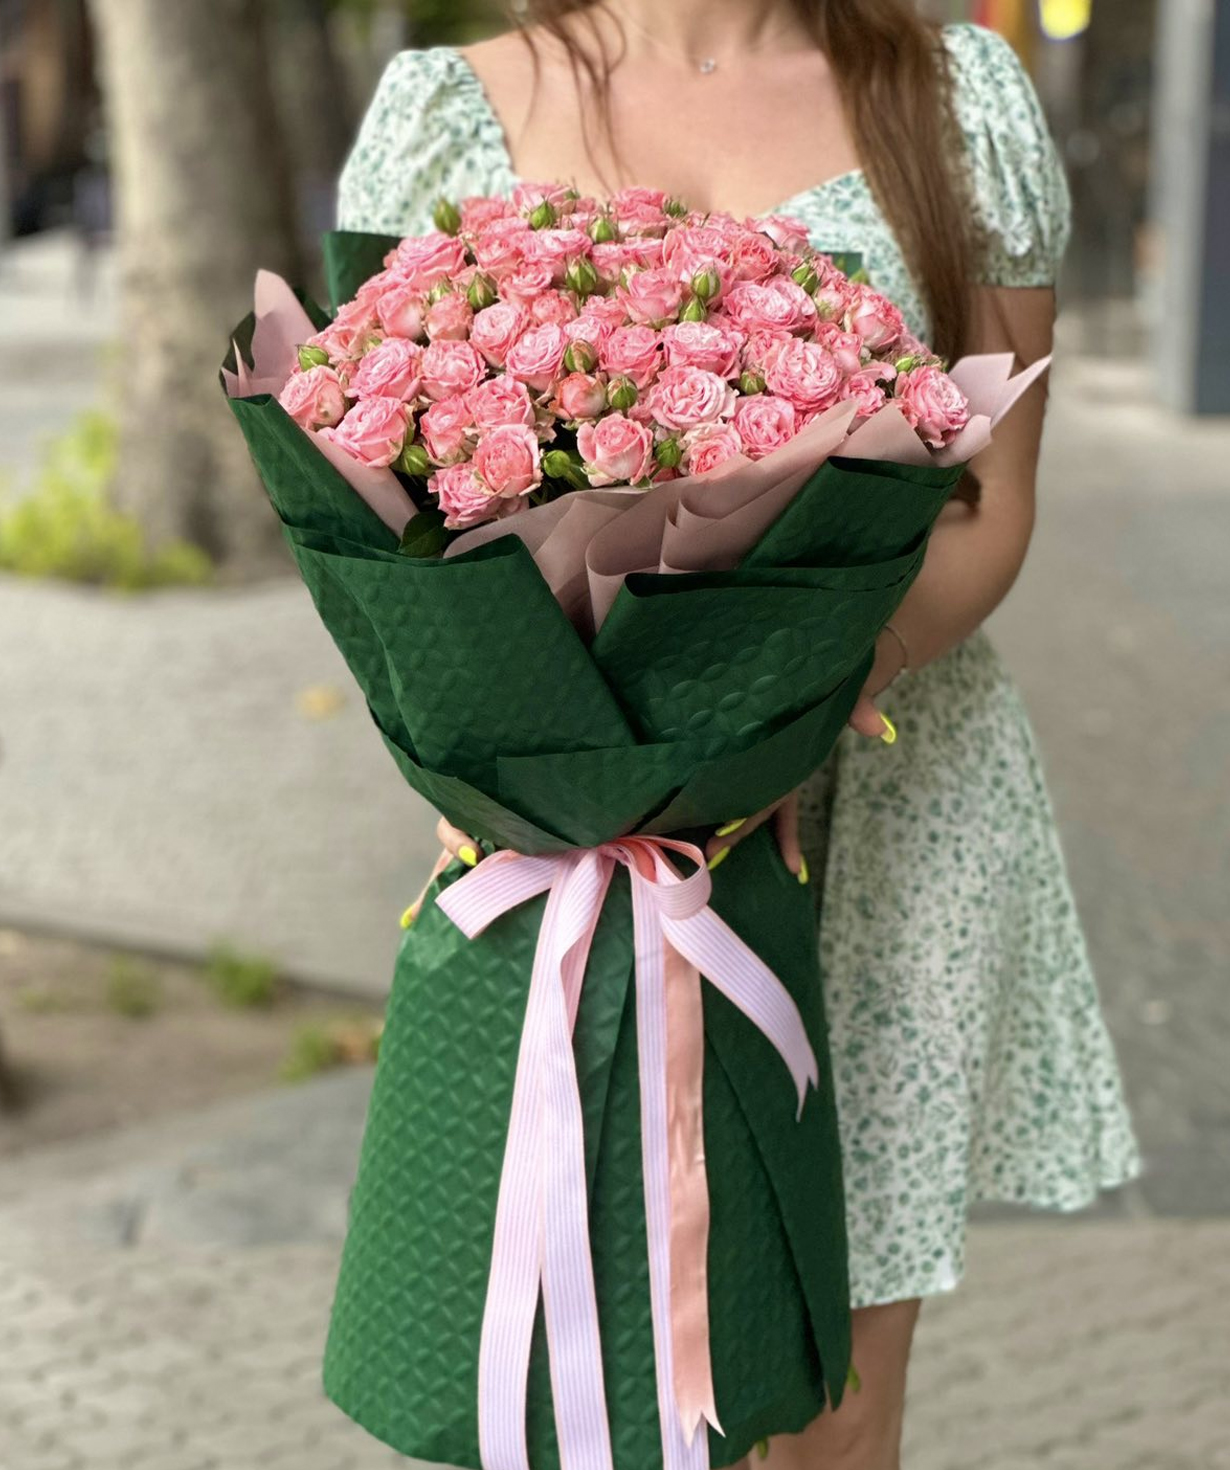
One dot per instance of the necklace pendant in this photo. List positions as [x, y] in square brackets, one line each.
[707, 65]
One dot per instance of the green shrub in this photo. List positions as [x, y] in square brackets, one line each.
[65, 525]
[133, 989]
[241, 980]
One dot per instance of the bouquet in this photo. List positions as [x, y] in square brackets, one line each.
[605, 504]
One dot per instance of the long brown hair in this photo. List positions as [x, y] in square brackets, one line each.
[892, 69]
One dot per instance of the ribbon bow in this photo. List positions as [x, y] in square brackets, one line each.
[541, 1238]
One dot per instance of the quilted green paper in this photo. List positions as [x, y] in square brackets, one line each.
[703, 697]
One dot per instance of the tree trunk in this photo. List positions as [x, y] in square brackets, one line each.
[205, 198]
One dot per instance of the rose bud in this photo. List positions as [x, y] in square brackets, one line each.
[676, 208]
[706, 284]
[581, 277]
[440, 289]
[694, 311]
[558, 464]
[413, 461]
[542, 216]
[805, 275]
[668, 453]
[310, 357]
[446, 217]
[621, 394]
[580, 357]
[750, 384]
[481, 291]
[603, 231]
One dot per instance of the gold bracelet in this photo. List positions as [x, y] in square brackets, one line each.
[905, 652]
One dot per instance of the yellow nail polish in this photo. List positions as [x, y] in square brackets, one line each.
[730, 827]
[408, 917]
[468, 856]
[804, 875]
[889, 733]
[718, 857]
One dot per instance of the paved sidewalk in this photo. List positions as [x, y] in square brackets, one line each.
[164, 1294]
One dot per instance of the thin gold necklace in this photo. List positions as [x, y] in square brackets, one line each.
[706, 65]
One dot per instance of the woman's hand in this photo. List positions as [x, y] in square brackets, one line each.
[456, 844]
[865, 718]
[785, 818]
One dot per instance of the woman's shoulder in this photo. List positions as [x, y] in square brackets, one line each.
[1016, 180]
[428, 131]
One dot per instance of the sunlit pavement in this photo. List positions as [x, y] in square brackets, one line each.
[164, 1295]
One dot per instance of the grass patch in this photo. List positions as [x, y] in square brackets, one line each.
[317, 1048]
[241, 980]
[65, 525]
[133, 989]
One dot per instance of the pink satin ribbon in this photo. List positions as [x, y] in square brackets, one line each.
[541, 1240]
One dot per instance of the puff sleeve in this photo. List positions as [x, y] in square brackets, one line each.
[428, 132]
[1016, 180]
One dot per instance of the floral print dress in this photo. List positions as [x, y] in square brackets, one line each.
[971, 1057]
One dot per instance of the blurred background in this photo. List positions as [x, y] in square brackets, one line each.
[204, 850]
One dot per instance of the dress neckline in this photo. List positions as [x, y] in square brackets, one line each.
[499, 136]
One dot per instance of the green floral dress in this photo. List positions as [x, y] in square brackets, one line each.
[971, 1058]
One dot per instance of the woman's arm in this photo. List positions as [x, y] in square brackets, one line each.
[975, 552]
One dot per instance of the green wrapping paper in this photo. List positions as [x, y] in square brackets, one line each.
[703, 697]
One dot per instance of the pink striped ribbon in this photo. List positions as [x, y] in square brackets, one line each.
[541, 1240]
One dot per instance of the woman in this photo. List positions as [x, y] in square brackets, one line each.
[970, 1054]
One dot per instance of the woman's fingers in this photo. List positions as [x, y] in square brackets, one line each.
[869, 721]
[412, 912]
[732, 833]
[460, 844]
[786, 824]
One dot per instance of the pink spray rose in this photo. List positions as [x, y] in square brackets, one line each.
[449, 318]
[874, 318]
[780, 305]
[314, 399]
[500, 401]
[709, 345]
[500, 246]
[710, 446]
[526, 282]
[784, 230]
[765, 422]
[632, 352]
[423, 260]
[463, 497]
[752, 256]
[553, 306]
[451, 367]
[805, 373]
[865, 388]
[400, 311]
[933, 404]
[496, 328]
[616, 450]
[507, 461]
[847, 347]
[447, 428]
[536, 355]
[651, 297]
[684, 397]
[479, 211]
[374, 430]
[579, 396]
[392, 370]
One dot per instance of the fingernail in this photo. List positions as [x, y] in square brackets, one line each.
[408, 917]
[730, 827]
[718, 857]
[889, 733]
[804, 874]
[468, 856]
